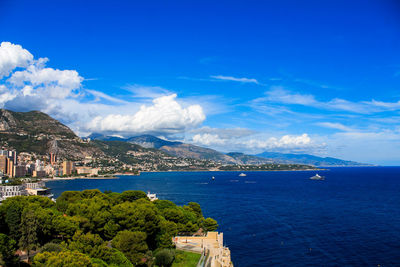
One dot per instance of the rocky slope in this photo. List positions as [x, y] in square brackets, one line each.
[39, 133]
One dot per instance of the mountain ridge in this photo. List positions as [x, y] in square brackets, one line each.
[309, 159]
[180, 149]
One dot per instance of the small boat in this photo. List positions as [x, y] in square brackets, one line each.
[213, 178]
[317, 177]
[242, 174]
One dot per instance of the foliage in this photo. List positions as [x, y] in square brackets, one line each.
[132, 195]
[210, 224]
[164, 257]
[52, 247]
[62, 259]
[132, 244]
[29, 224]
[7, 251]
[91, 228]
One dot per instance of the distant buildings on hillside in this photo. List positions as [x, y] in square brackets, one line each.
[13, 165]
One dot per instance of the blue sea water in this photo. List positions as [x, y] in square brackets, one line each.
[283, 218]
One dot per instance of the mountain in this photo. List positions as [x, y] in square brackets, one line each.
[197, 152]
[39, 133]
[241, 158]
[97, 136]
[308, 159]
[150, 141]
[182, 150]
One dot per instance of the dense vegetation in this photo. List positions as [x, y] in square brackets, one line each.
[91, 228]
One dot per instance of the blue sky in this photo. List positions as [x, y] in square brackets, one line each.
[320, 77]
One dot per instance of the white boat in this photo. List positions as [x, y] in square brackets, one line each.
[317, 177]
[242, 174]
[213, 178]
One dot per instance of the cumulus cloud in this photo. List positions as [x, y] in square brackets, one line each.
[13, 56]
[258, 143]
[165, 115]
[234, 79]
[225, 133]
[208, 139]
[53, 83]
[28, 84]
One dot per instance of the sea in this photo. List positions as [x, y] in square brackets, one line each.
[282, 218]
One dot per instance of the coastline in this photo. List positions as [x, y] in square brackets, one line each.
[75, 178]
[236, 170]
[116, 175]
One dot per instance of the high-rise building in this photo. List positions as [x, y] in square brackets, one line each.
[12, 155]
[20, 170]
[53, 158]
[3, 163]
[68, 167]
[10, 168]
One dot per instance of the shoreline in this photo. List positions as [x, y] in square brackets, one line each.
[116, 175]
[237, 170]
[75, 178]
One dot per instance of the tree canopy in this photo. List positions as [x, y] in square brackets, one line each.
[91, 228]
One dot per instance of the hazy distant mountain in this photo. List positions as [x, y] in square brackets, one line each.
[308, 159]
[150, 141]
[241, 158]
[97, 136]
[179, 149]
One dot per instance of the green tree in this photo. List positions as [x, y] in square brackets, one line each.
[62, 259]
[140, 215]
[29, 224]
[64, 226]
[66, 198]
[195, 207]
[210, 224]
[13, 218]
[111, 229]
[95, 247]
[132, 244]
[132, 195]
[164, 257]
[7, 251]
[53, 247]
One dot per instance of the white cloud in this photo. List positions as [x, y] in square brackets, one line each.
[11, 57]
[259, 143]
[166, 116]
[53, 83]
[286, 142]
[100, 95]
[334, 125]
[234, 79]
[225, 133]
[278, 94]
[32, 85]
[208, 139]
[143, 91]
